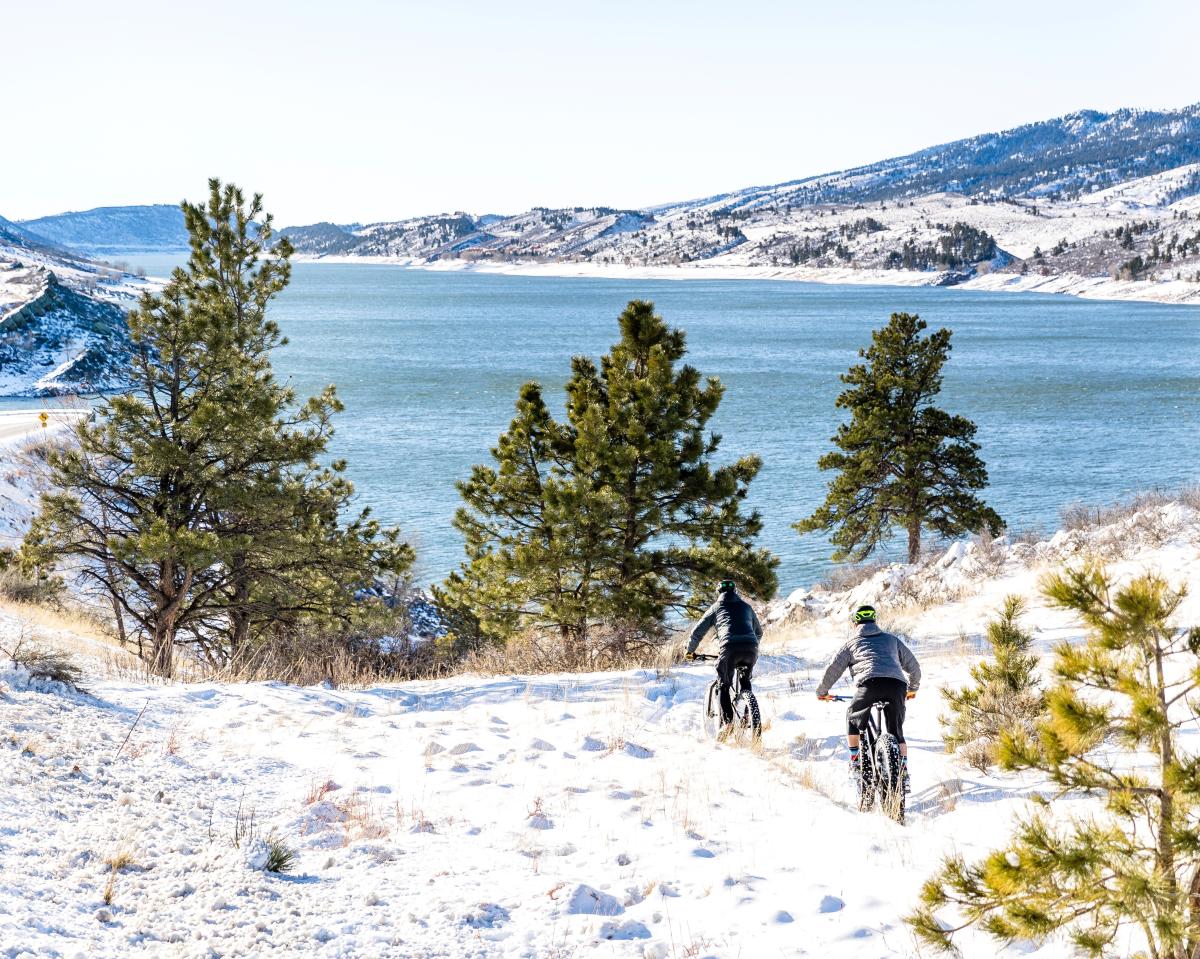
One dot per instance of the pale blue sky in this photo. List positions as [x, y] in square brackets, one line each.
[368, 110]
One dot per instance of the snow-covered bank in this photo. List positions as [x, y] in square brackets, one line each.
[1099, 288]
[565, 815]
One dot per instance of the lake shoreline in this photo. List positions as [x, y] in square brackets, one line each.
[1173, 292]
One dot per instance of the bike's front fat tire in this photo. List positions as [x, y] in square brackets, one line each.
[866, 782]
[751, 718]
[712, 710]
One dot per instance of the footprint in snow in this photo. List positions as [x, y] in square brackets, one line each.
[586, 901]
[463, 748]
[539, 821]
[542, 745]
[702, 853]
[487, 916]
[638, 752]
[831, 904]
[592, 745]
[629, 929]
[783, 916]
[434, 748]
[497, 721]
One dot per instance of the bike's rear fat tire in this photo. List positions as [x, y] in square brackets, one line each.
[891, 780]
[749, 715]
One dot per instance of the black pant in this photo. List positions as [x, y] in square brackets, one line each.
[733, 656]
[891, 691]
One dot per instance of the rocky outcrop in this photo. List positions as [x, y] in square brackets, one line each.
[61, 340]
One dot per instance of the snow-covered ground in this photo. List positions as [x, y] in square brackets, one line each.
[566, 815]
[21, 476]
[1087, 287]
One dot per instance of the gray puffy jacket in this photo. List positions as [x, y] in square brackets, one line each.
[872, 654]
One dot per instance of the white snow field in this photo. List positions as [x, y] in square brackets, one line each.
[547, 816]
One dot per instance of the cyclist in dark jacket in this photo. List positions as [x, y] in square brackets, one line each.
[738, 632]
[883, 670]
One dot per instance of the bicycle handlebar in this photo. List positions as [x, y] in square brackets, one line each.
[701, 657]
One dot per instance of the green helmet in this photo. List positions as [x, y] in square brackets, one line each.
[727, 586]
[864, 614]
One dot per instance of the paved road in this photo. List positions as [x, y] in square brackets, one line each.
[17, 426]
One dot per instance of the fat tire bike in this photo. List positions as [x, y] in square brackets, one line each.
[747, 720]
[880, 768]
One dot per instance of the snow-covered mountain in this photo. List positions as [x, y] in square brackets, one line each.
[1089, 195]
[115, 229]
[62, 318]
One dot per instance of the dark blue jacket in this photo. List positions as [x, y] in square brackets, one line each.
[734, 620]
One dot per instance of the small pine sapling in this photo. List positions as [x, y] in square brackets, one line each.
[1130, 869]
[1005, 697]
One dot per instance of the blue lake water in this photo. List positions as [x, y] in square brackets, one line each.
[1075, 400]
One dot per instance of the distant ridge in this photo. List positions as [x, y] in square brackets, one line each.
[115, 229]
[1089, 195]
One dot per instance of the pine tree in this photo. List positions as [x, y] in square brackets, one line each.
[522, 539]
[1133, 864]
[1005, 697]
[616, 516]
[671, 522]
[195, 499]
[901, 461]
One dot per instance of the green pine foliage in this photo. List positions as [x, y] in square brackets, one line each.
[1112, 732]
[901, 462]
[606, 522]
[195, 502]
[1005, 696]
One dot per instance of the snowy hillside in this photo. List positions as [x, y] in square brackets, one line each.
[566, 815]
[115, 229]
[62, 318]
[1038, 206]
[1094, 204]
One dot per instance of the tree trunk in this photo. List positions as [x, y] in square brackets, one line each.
[239, 615]
[162, 640]
[162, 648]
[1193, 945]
[914, 540]
[122, 636]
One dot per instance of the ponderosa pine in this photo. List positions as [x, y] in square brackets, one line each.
[902, 463]
[616, 516]
[195, 500]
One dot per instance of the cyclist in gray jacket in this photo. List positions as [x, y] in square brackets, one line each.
[738, 632]
[883, 669]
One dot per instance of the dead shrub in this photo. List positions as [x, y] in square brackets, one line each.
[1078, 516]
[312, 658]
[605, 648]
[990, 554]
[17, 586]
[41, 662]
[845, 577]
